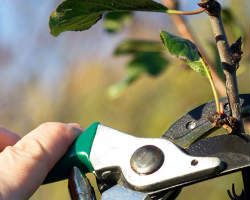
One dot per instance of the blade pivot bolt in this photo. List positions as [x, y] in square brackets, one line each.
[147, 160]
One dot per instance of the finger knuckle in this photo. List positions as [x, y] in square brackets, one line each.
[9, 153]
[33, 148]
[9, 150]
[56, 127]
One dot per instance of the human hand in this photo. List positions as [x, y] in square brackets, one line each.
[25, 162]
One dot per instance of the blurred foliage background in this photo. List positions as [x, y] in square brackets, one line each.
[66, 79]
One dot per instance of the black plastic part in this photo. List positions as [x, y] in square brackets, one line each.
[79, 186]
[184, 135]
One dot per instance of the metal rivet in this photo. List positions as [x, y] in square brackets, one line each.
[191, 125]
[147, 160]
[194, 162]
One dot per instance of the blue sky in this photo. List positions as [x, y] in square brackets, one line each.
[24, 34]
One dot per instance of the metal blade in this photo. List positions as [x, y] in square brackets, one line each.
[118, 192]
[233, 150]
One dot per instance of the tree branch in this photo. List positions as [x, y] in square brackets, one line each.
[213, 9]
[184, 29]
[230, 65]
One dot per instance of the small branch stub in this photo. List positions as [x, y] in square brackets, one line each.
[236, 52]
[222, 120]
[211, 7]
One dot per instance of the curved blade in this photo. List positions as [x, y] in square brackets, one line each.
[195, 124]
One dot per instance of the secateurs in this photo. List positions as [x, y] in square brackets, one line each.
[127, 167]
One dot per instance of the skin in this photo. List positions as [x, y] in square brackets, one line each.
[25, 162]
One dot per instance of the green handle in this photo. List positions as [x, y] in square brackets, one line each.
[77, 155]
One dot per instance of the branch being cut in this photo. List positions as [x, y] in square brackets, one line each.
[213, 9]
[230, 58]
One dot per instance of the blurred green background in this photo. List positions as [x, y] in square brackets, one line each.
[66, 79]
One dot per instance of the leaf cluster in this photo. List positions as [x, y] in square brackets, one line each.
[146, 56]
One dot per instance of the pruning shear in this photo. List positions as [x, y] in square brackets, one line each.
[128, 167]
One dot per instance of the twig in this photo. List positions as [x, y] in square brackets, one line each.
[184, 29]
[180, 12]
[229, 65]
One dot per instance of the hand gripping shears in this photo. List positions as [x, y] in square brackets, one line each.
[128, 167]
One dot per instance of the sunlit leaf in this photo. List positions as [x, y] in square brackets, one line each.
[131, 46]
[79, 15]
[152, 63]
[115, 21]
[184, 50]
[187, 51]
[116, 90]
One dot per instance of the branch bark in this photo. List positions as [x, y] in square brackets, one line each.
[184, 29]
[229, 65]
[213, 9]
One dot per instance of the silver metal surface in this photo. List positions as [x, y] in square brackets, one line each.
[118, 192]
[191, 125]
[147, 159]
[112, 150]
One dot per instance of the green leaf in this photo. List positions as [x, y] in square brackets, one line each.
[131, 46]
[116, 90]
[79, 15]
[150, 63]
[115, 21]
[185, 50]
